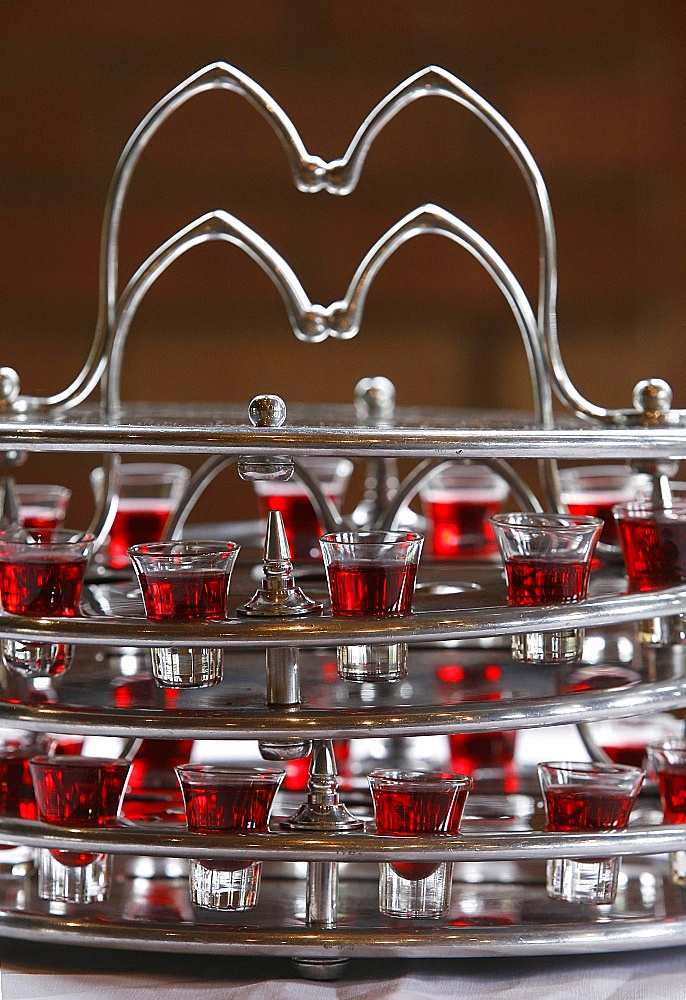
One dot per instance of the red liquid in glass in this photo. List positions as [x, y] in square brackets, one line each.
[371, 588]
[672, 784]
[545, 582]
[631, 755]
[240, 806]
[195, 594]
[654, 551]
[404, 813]
[42, 584]
[36, 519]
[575, 807]
[136, 521]
[81, 795]
[16, 789]
[470, 752]
[459, 527]
[302, 525]
[600, 507]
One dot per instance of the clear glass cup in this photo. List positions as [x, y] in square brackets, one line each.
[16, 794]
[371, 573]
[653, 540]
[417, 804]
[219, 798]
[586, 797]
[80, 792]
[595, 489]
[41, 573]
[43, 507]
[147, 494]
[458, 502]
[667, 762]
[300, 519]
[547, 560]
[185, 581]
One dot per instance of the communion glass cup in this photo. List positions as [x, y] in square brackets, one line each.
[417, 804]
[41, 573]
[371, 573]
[16, 793]
[595, 489]
[147, 494]
[185, 581]
[458, 502]
[586, 797]
[220, 798]
[547, 560]
[81, 792]
[667, 761]
[42, 507]
[653, 540]
[300, 519]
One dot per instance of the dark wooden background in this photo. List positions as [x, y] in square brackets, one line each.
[597, 90]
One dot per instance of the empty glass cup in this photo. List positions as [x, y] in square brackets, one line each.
[371, 573]
[185, 581]
[547, 560]
[220, 798]
[586, 797]
[41, 573]
[82, 792]
[419, 804]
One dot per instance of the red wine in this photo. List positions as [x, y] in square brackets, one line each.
[42, 584]
[16, 789]
[137, 520]
[599, 506]
[631, 755]
[80, 792]
[576, 807]
[471, 752]
[654, 551]
[458, 526]
[532, 581]
[371, 588]
[403, 812]
[671, 781]
[193, 594]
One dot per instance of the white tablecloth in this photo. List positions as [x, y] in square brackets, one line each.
[28, 973]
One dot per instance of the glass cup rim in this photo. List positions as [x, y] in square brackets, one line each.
[590, 768]
[546, 521]
[257, 775]
[49, 489]
[45, 537]
[664, 747]
[640, 508]
[410, 778]
[186, 548]
[360, 538]
[67, 760]
[147, 473]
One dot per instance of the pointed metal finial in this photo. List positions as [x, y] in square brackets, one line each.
[9, 508]
[323, 810]
[278, 594]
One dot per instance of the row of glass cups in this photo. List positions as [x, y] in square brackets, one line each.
[87, 792]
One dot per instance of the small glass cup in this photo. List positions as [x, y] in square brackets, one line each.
[81, 792]
[220, 798]
[41, 573]
[147, 494]
[458, 503]
[371, 573]
[42, 507]
[595, 489]
[547, 560]
[417, 803]
[16, 794]
[586, 797]
[292, 499]
[653, 540]
[667, 761]
[185, 581]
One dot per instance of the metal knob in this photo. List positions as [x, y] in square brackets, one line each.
[266, 411]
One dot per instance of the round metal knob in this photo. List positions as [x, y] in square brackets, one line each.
[9, 385]
[375, 399]
[652, 395]
[267, 411]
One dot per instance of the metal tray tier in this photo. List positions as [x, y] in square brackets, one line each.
[332, 429]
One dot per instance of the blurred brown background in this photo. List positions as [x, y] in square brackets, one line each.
[597, 91]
